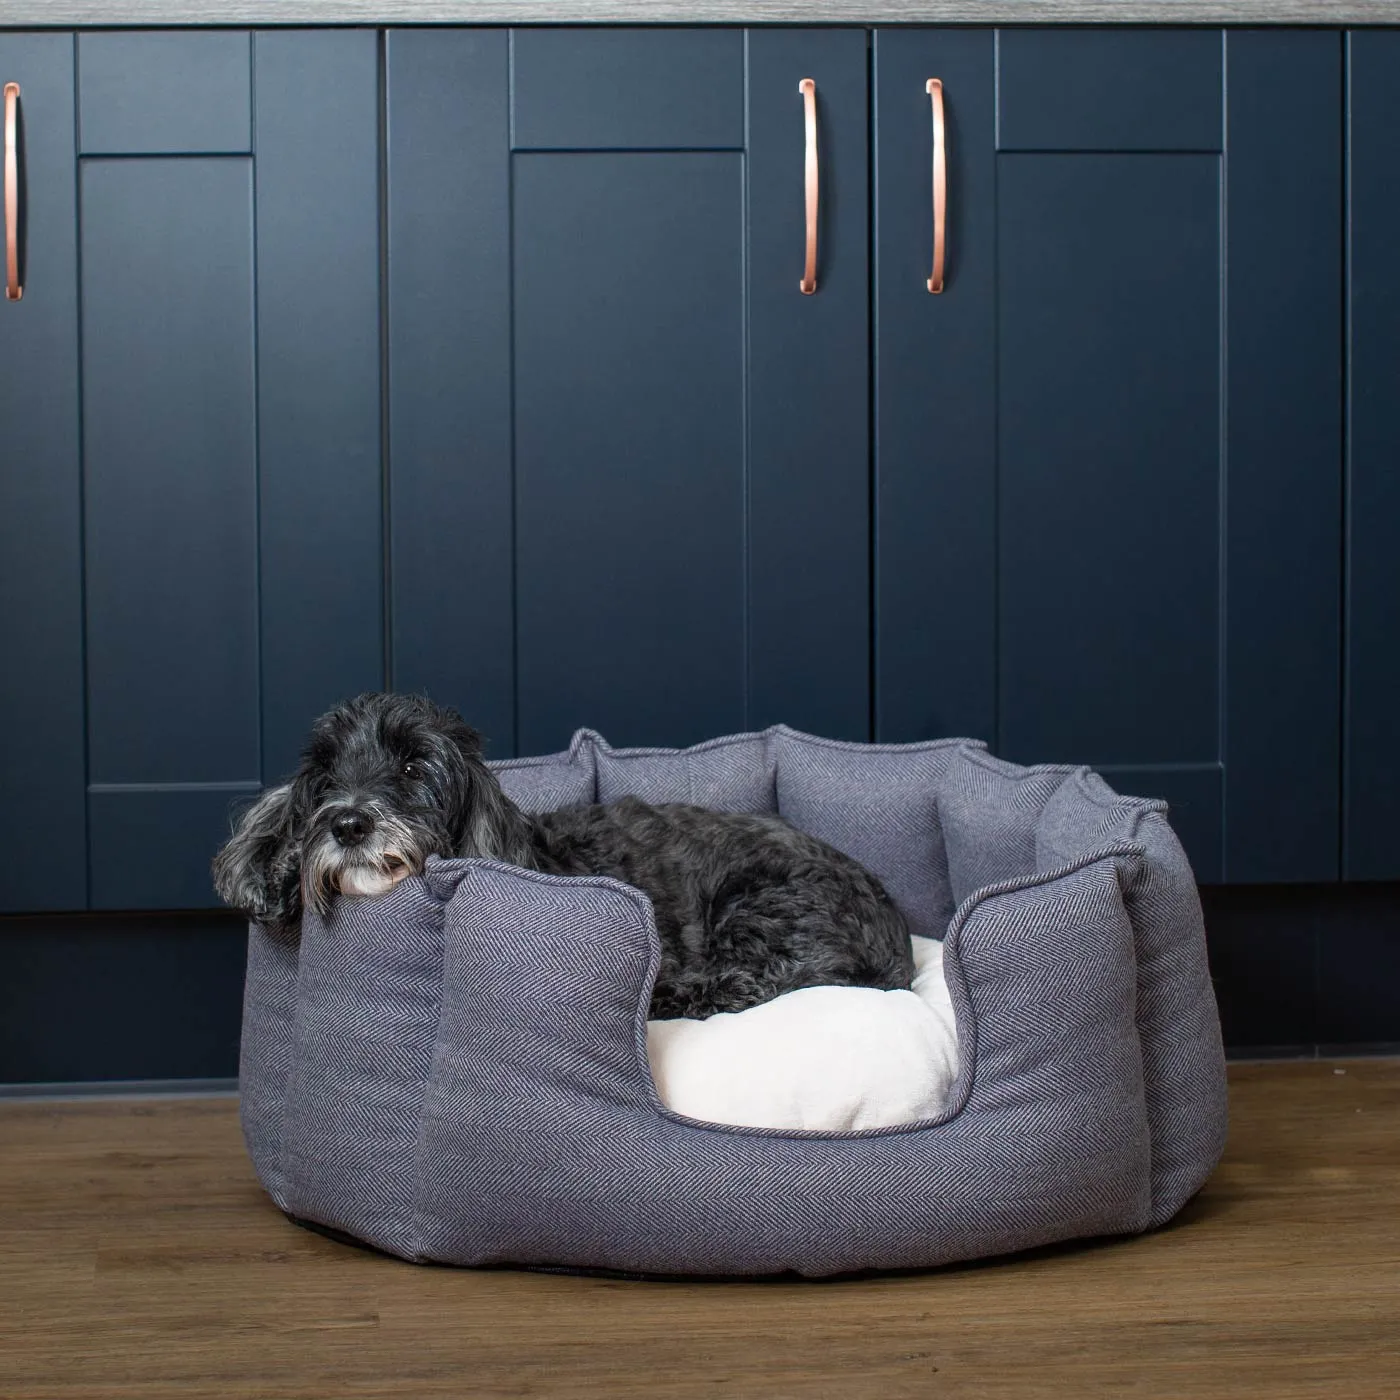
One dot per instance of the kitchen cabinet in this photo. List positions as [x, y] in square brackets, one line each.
[628, 458]
[189, 384]
[1108, 521]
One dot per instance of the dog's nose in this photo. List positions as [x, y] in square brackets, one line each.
[350, 828]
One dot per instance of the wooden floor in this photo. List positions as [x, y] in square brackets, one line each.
[138, 1258]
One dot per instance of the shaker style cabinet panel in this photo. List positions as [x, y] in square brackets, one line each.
[43, 806]
[628, 458]
[1106, 476]
[1372, 719]
[195, 492]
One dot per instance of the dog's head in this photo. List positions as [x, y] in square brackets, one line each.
[385, 782]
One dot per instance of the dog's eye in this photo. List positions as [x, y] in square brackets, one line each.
[410, 770]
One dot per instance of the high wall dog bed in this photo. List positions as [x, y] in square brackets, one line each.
[457, 1071]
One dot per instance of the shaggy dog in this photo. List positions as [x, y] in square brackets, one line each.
[747, 907]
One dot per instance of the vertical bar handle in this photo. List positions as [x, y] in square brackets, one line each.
[934, 88]
[808, 88]
[13, 290]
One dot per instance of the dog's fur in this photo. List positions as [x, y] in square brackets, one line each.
[747, 907]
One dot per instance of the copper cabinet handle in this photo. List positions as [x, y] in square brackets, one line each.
[808, 88]
[934, 88]
[13, 290]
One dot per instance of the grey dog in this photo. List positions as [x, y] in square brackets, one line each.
[747, 907]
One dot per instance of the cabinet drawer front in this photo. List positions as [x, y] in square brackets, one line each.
[1109, 90]
[162, 94]
[627, 89]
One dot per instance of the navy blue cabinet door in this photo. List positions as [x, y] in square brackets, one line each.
[1107, 475]
[629, 462]
[1371, 813]
[191, 398]
[43, 811]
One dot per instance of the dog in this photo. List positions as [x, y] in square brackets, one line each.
[747, 907]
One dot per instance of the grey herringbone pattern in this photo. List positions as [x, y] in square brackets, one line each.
[879, 803]
[457, 1071]
[557, 780]
[990, 809]
[1177, 1020]
[265, 1053]
[729, 775]
[368, 1002]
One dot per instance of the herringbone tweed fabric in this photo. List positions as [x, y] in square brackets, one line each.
[457, 1071]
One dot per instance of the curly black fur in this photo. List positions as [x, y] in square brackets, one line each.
[747, 907]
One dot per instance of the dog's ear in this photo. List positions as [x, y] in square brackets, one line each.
[467, 739]
[259, 869]
[496, 828]
[485, 821]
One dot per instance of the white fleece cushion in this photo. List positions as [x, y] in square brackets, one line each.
[832, 1059]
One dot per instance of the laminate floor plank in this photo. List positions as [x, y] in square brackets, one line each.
[139, 1258]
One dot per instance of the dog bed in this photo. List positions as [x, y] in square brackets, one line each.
[456, 1072]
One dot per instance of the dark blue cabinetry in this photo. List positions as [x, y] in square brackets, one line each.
[191, 484]
[1372, 716]
[569, 446]
[1107, 456]
[43, 809]
[474, 361]
[628, 469]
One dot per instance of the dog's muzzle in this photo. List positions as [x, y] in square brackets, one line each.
[360, 852]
